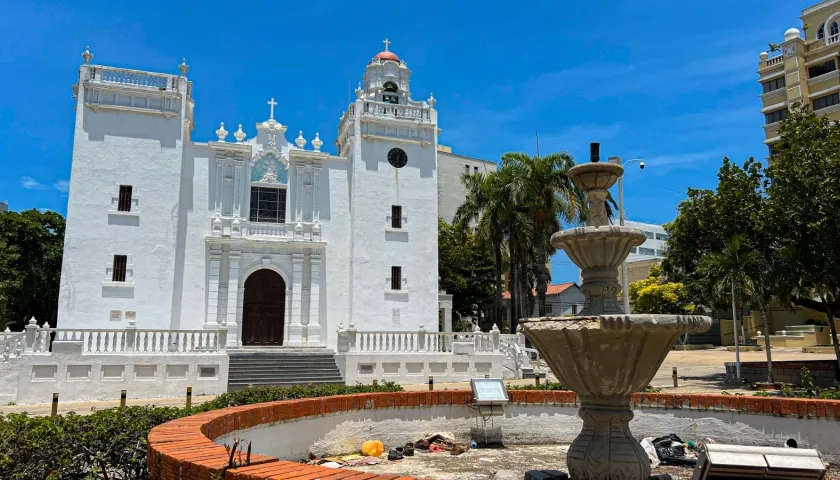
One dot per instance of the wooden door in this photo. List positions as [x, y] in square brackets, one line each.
[263, 309]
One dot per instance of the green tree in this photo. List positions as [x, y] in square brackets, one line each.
[466, 269]
[543, 189]
[656, 295]
[31, 245]
[740, 267]
[485, 203]
[803, 211]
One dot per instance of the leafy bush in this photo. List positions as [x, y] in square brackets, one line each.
[111, 444]
[808, 389]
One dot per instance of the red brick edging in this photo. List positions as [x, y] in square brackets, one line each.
[183, 449]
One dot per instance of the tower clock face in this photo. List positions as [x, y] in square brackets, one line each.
[397, 157]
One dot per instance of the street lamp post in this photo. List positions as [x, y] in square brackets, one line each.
[625, 287]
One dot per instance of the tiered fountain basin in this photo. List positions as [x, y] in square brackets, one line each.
[282, 433]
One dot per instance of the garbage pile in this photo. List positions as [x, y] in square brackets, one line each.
[373, 452]
[671, 450]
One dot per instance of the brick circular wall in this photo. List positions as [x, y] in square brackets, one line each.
[184, 449]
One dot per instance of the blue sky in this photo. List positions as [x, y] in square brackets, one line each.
[671, 82]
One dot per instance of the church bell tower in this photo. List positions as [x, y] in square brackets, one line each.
[390, 142]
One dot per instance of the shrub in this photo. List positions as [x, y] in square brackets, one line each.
[111, 444]
[808, 389]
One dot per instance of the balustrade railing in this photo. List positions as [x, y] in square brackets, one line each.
[354, 341]
[402, 112]
[774, 60]
[43, 339]
[260, 229]
[135, 78]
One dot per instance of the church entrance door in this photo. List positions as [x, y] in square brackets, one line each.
[263, 309]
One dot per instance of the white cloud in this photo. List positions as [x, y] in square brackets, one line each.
[30, 183]
[45, 210]
[62, 186]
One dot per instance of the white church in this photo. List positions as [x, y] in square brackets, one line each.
[265, 234]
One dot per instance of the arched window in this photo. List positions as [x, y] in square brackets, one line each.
[391, 88]
[834, 29]
[821, 33]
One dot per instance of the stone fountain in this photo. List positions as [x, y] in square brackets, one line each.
[605, 354]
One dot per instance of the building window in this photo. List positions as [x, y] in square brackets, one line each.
[647, 251]
[396, 216]
[574, 309]
[826, 101]
[124, 202]
[118, 270]
[466, 169]
[648, 234]
[821, 69]
[396, 278]
[268, 205]
[390, 87]
[662, 236]
[660, 253]
[392, 99]
[821, 33]
[772, 149]
[775, 116]
[475, 170]
[633, 250]
[834, 29]
[549, 308]
[773, 85]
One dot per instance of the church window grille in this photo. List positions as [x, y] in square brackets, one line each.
[834, 29]
[396, 216]
[124, 202]
[396, 278]
[120, 264]
[268, 205]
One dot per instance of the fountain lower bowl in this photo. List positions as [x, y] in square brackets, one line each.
[607, 358]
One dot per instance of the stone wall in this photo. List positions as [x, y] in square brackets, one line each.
[824, 372]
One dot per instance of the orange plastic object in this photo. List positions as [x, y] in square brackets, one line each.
[372, 448]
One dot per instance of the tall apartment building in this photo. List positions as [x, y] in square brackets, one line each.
[4, 207]
[802, 69]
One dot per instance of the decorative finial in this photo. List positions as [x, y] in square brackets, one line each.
[316, 144]
[432, 100]
[239, 135]
[386, 42]
[87, 56]
[183, 67]
[221, 132]
[272, 104]
[300, 141]
[595, 152]
[359, 90]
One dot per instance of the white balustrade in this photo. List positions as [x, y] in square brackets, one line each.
[260, 229]
[832, 39]
[411, 342]
[402, 112]
[12, 345]
[774, 60]
[136, 78]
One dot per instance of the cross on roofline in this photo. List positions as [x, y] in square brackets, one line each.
[272, 104]
[386, 42]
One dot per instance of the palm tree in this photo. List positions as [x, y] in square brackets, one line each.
[485, 204]
[739, 267]
[544, 190]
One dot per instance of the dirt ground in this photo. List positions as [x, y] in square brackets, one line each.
[703, 371]
[482, 464]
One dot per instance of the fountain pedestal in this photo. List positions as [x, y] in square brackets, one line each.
[604, 354]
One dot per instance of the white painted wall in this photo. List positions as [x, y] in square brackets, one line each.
[32, 379]
[113, 147]
[415, 368]
[451, 192]
[344, 432]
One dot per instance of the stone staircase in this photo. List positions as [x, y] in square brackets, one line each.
[281, 366]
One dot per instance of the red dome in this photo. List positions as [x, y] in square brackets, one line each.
[387, 55]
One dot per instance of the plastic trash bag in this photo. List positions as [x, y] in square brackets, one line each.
[647, 445]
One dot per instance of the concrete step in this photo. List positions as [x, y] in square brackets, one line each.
[283, 367]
